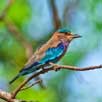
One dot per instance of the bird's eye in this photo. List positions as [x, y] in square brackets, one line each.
[68, 34]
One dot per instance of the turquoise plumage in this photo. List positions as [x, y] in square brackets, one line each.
[52, 54]
[63, 30]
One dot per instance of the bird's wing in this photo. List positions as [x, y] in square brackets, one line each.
[44, 55]
[33, 61]
[42, 52]
[53, 53]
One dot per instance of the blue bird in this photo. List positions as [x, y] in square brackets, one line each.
[52, 51]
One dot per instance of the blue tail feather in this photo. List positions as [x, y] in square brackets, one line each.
[25, 71]
[16, 77]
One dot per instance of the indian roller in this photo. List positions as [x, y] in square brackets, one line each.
[51, 52]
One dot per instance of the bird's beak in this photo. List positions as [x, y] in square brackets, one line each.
[76, 36]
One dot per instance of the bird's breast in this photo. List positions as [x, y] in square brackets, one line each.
[59, 51]
[63, 47]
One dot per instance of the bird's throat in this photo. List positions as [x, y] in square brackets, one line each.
[66, 44]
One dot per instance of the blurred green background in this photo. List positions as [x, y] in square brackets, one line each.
[27, 24]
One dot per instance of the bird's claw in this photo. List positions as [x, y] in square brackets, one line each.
[56, 68]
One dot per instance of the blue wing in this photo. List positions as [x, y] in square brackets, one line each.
[52, 54]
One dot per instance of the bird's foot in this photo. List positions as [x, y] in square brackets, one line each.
[56, 68]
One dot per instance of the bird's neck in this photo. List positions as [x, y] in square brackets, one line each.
[65, 43]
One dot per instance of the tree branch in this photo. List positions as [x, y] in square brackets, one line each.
[14, 30]
[18, 35]
[10, 97]
[55, 16]
[3, 15]
[7, 97]
[38, 81]
[54, 67]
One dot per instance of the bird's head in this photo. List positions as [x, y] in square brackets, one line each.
[65, 34]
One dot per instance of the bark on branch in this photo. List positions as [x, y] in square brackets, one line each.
[55, 16]
[7, 97]
[54, 67]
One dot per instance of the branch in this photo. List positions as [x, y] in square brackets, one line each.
[55, 16]
[18, 35]
[7, 97]
[3, 15]
[54, 67]
[37, 82]
[17, 90]
[14, 30]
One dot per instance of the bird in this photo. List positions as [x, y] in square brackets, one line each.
[50, 52]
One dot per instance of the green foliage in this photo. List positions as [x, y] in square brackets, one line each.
[3, 3]
[20, 12]
[47, 95]
[11, 49]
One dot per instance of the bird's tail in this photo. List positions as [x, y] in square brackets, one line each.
[16, 77]
[25, 71]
